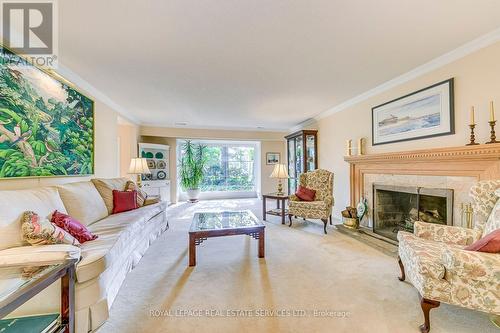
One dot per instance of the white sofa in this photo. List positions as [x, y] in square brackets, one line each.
[123, 240]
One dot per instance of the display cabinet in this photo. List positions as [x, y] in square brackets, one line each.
[158, 181]
[302, 147]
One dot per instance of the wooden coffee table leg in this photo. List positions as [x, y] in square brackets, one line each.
[283, 212]
[192, 250]
[261, 244]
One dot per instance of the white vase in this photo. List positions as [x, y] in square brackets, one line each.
[193, 194]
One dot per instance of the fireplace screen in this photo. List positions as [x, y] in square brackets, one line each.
[398, 207]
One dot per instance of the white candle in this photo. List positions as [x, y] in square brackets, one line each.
[472, 116]
[492, 112]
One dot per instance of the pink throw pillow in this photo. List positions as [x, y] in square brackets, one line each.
[73, 227]
[306, 194]
[489, 243]
[124, 201]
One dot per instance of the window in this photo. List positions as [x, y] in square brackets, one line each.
[231, 167]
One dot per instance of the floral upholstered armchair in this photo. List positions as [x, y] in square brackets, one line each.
[440, 269]
[321, 208]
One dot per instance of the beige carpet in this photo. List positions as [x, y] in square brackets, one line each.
[304, 271]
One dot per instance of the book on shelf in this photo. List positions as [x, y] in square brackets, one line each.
[47, 323]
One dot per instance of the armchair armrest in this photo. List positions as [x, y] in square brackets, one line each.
[445, 233]
[293, 197]
[40, 255]
[472, 265]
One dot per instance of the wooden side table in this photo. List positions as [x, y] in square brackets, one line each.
[32, 279]
[281, 205]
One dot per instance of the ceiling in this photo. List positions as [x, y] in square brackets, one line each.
[255, 63]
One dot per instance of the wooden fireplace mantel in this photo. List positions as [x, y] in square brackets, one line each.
[480, 161]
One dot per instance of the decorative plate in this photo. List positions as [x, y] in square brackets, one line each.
[161, 164]
[159, 155]
[161, 175]
[151, 164]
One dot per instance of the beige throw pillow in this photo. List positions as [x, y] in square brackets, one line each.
[141, 195]
[13, 204]
[83, 202]
[106, 187]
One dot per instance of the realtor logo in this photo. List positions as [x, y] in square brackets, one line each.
[29, 29]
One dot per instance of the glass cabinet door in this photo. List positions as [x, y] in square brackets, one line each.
[310, 152]
[291, 166]
[302, 156]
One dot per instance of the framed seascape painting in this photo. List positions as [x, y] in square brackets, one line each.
[46, 126]
[425, 113]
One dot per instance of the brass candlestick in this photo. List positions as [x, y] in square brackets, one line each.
[472, 136]
[493, 138]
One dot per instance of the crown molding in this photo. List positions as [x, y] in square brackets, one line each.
[82, 84]
[217, 128]
[303, 125]
[458, 53]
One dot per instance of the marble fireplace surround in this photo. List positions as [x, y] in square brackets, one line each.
[456, 168]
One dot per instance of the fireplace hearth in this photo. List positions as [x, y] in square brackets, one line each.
[397, 208]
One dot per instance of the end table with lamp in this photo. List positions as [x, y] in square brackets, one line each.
[279, 172]
[139, 167]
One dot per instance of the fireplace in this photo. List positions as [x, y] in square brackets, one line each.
[398, 207]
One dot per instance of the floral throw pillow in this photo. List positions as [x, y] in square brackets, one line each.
[40, 231]
[141, 195]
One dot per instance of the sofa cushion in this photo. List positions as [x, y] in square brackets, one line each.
[117, 233]
[141, 195]
[40, 231]
[489, 243]
[425, 255]
[40, 255]
[306, 194]
[123, 201]
[13, 204]
[73, 226]
[106, 187]
[83, 202]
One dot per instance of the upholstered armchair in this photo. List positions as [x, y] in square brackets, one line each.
[433, 260]
[321, 208]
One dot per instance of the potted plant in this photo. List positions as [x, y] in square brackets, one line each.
[192, 168]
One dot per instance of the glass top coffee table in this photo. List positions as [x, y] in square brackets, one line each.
[217, 224]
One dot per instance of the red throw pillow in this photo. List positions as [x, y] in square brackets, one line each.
[489, 243]
[124, 201]
[73, 227]
[306, 194]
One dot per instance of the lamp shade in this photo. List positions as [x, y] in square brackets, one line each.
[138, 166]
[279, 172]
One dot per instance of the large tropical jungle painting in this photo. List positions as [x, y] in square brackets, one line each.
[46, 127]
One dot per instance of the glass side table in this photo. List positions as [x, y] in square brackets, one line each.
[18, 284]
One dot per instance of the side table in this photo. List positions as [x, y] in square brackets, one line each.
[25, 282]
[281, 210]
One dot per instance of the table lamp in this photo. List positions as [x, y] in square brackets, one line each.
[138, 166]
[281, 173]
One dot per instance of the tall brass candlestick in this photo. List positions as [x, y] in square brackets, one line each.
[348, 149]
[493, 138]
[472, 136]
[361, 148]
